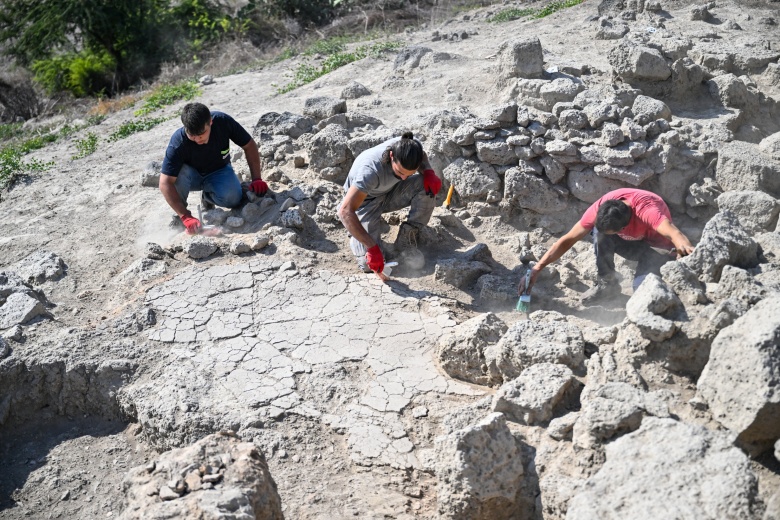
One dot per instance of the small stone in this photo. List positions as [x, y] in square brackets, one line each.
[419, 411]
[413, 491]
[151, 467]
[5, 348]
[234, 222]
[296, 458]
[212, 479]
[287, 266]
[208, 79]
[65, 496]
[282, 454]
[287, 204]
[299, 161]
[238, 247]
[167, 493]
[258, 242]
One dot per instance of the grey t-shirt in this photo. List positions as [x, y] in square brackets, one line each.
[369, 175]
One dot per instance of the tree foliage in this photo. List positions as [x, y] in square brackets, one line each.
[102, 46]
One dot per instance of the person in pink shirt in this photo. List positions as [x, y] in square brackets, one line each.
[633, 223]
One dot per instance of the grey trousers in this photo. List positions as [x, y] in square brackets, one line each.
[408, 192]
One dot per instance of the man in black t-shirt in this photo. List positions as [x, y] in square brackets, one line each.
[198, 158]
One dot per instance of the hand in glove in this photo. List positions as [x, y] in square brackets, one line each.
[192, 224]
[375, 260]
[431, 183]
[258, 186]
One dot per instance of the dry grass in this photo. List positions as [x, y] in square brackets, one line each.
[105, 106]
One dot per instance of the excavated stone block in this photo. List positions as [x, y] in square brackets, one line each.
[532, 397]
[472, 179]
[322, 107]
[286, 123]
[329, 147]
[496, 151]
[200, 247]
[354, 90]
[461, 354]
[19, 308]
[39, 267]
[522, 58]
[667, 467]
[527, 191]
[740, 380]
[589, 187]
[742, 167]
[757, 211]
[479, 472]
[646, 307]
[723, 242]
[636, 62]
[239, 483]
[458, 272]
[529, 342]
[652, 108]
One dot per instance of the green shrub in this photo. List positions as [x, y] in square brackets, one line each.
[513, 13]
[306, 73]
[10, 130]
[556, 6]
[12, 166]
[37, 142]
[168, 94]
[81, 74]
[132, 127]
[86, 146]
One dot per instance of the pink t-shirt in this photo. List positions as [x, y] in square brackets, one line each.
[648, 211]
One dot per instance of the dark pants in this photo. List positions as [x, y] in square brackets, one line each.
[606, 246]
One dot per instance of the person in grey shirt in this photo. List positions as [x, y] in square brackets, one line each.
[385, 178]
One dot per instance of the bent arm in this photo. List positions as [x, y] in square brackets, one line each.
[347, 213]
[557, 250]
[168, 188]
[253, 159]
[677, 237]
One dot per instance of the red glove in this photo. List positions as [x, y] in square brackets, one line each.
[431, 183]
[258, 186]
[191, 223]
[375, 260]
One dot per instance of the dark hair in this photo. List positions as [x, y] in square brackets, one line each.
[408, 151]
[195, 117]
[613, 215]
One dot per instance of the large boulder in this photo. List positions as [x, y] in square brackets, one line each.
[741, 381]
[39, 267]
[461, 354]
[637, 62]
[588, 187]
[652, 108]
[218, 477]
[614, 409]
[532, 397]
[648, 306]
[323, 107]
[286, 123]
[329, 148]
[479, 472]
[529, 342]
[757, 211]
[521, 58]
[741, 166]
[473, 180]
[723, 242]
[528, 191]
[668, 469]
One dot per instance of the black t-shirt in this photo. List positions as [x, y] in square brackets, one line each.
[209, 157]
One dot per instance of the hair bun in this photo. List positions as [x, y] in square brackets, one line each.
[407, 135]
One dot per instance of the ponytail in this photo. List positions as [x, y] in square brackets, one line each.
[408, 151]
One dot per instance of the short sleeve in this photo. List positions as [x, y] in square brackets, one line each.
[173, 161]
[236, 132]
[588, 220]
